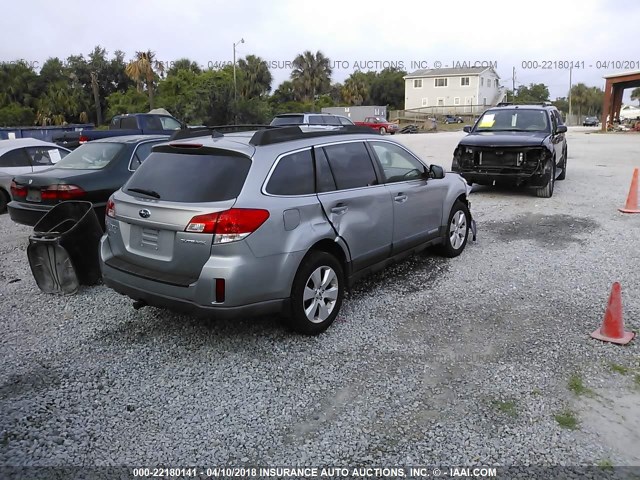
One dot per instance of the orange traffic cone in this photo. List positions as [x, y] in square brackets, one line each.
[612, 329]
[632, 199]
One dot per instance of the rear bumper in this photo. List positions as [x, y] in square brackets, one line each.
[181, 305]
[27, 214]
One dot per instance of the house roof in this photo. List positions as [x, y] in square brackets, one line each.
[448, 72]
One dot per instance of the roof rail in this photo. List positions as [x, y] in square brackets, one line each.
[285, 134]
[215, 131]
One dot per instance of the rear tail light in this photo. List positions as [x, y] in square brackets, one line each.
[110, 210]
[83, 139]
[62, 192]
[230, 225]
[18, 191]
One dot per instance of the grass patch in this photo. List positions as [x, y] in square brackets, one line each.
[567, 419]
[508, 407]
[536, 392]
[605, 464]
[636, 379]
[619, 368]
[576, 385]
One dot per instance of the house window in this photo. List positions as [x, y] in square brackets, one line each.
[440, 101]
[464, 81]
[417, 83]
[481, 82]
[440, 82]
[484, 101]
[456, 100]
[425, 102]
[496, 83]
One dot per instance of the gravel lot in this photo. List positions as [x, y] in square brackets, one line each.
[433, 361]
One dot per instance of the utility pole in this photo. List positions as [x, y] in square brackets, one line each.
[513, 80]
[235, 86]
[570, 71]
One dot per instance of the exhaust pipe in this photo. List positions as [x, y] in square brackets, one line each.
[138, 304]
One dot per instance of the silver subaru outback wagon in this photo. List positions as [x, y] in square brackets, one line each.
[278, 220]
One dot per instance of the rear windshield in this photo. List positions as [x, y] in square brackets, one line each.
[192, 178]
[288, 120]
[91, 156]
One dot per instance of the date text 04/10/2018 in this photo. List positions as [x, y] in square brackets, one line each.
[580, 64]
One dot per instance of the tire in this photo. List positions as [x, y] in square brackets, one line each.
[547, 190]
[4, 200]
[383, 130]
[306, 315]
[457, 234]
[563, 175]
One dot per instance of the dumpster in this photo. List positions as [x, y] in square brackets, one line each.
[63, 249]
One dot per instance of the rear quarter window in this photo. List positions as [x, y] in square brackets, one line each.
[293, 175]
[192, 178]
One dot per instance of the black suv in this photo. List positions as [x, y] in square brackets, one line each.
[514, 144]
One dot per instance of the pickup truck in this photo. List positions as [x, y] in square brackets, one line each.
[379, 124]
[129, 124]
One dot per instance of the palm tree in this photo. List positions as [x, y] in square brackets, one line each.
[580, 98]
[311, 75]
[355, 90]
[635, 94]
[143, 71]
[183, 64]
[255, 77]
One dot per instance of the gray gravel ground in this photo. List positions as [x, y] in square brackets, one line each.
[433, 361]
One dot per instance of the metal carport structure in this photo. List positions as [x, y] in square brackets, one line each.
[613, 90]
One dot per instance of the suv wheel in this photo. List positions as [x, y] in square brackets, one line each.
[547, 190]
[4, 200]
[383, 130]
[563, 175]
[316, 294]
[457, 233]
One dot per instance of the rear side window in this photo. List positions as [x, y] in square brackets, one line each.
[288, 120]
[351, 165]
[192, 178]
[14, 158]
[293, 175]
[316, 120]
[331, 120]
[129, 123]
[324, 177]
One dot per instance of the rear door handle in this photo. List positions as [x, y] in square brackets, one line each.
[339, 209]
[400, 198]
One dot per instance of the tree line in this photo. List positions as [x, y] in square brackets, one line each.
[95, 87]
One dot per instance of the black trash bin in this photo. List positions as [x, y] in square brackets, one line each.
[63, 249]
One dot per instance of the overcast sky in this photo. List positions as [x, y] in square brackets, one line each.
[506, 32]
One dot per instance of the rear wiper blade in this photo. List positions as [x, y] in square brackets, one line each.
[150, 193]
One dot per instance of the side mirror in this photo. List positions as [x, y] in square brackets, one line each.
[436, 171]
[466, 128]
[561, 129]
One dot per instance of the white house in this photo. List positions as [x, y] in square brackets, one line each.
[454, 90]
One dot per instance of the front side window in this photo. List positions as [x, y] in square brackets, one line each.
[91, 156]
[169, 123]
[42, 156]
[129, 123]
[293, 175]
[398, 165]
[345, 121]
[351, 165]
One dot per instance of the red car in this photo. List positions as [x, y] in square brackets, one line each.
[379, 124]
